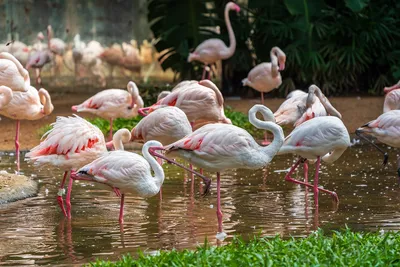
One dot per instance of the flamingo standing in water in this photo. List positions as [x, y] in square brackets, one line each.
[265, 77]
[386, 128]
[70, 144]
[113, 103]
[392, 98]
[30, 105]
[216, 147]
[323, 138]
[199, 100]
[128, 172]
[212, 50]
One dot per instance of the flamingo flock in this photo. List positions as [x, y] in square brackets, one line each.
[188, 123]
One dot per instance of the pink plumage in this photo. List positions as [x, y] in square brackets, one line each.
[165, 124]
[199, 100]
[13, 74]
[64, 148]
[113, 103]
[392, 98]
[212, 50]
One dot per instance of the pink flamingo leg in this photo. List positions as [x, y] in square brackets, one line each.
[17, 144]
[219, 212]
[290, 179]
[121, 209]
[68, 198]
[38, 79]
[265, 142]
[60, 194]
[110, 137]
[317, 164]
[305, 167]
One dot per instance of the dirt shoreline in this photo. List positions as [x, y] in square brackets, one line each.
[355, 110]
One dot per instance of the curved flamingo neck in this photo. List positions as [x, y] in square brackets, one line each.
[232, 40]
[24, 73]
[270, 125]
[46, 101]
[120, 137]
[157, 169]
[313, 89]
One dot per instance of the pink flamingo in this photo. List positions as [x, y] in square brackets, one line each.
[39, 58]
[265, 77]
[386, 129]
[212, 50]
[300, 107]
[113, 103]
[127, 172]
[317, 106]
[216, 147]
[323, 138]
[392, 98]
[166, 125]
[199, 100]
[70, 144]
[30, 105]
[13, 74]
[6, 97]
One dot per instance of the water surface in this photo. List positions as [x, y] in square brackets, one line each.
[34, 232]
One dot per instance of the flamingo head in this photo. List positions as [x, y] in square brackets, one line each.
[233, 6]
[282, 61]
[391, 88]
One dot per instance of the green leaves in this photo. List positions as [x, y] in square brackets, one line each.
[343, 248]
[356, 5]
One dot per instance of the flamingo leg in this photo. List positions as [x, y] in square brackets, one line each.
[60, 193]
[110, 137]
[38, 78]
[290, 179]
[398, 168]
[68, 198]
[160, 161]
[305, 167]
[207, 181]
[121, 209]
[317, 165]
[219, 212]
[17, 144]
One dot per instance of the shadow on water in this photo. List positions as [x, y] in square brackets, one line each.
[33, 231]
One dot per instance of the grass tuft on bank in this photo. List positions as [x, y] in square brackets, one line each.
[238, 118]
[342, 248]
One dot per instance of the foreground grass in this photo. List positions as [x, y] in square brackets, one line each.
[344, 248]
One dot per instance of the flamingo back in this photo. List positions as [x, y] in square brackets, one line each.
[70, 144]
[392, 101]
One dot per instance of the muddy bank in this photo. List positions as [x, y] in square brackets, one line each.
[16, 187]
[355, 110]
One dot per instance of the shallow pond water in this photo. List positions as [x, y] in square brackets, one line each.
[34, 232]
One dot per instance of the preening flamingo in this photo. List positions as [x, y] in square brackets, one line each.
[212, 50]
[113, 103]
[30, 105]
[317, 105]
[300, 106]
[71, 143]
[216, 147]
[6, 96]
[386, 128]
[392, 98]
[323, 138]
[265, 77]
[199, 100]
[13, 74]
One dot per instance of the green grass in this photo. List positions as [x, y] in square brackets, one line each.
[344, 248]
[238, 118]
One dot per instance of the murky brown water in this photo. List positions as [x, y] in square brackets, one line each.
[34, 232]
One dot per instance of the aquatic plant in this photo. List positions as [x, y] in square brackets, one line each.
[341, 248]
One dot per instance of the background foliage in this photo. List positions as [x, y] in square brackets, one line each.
[344, 46]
